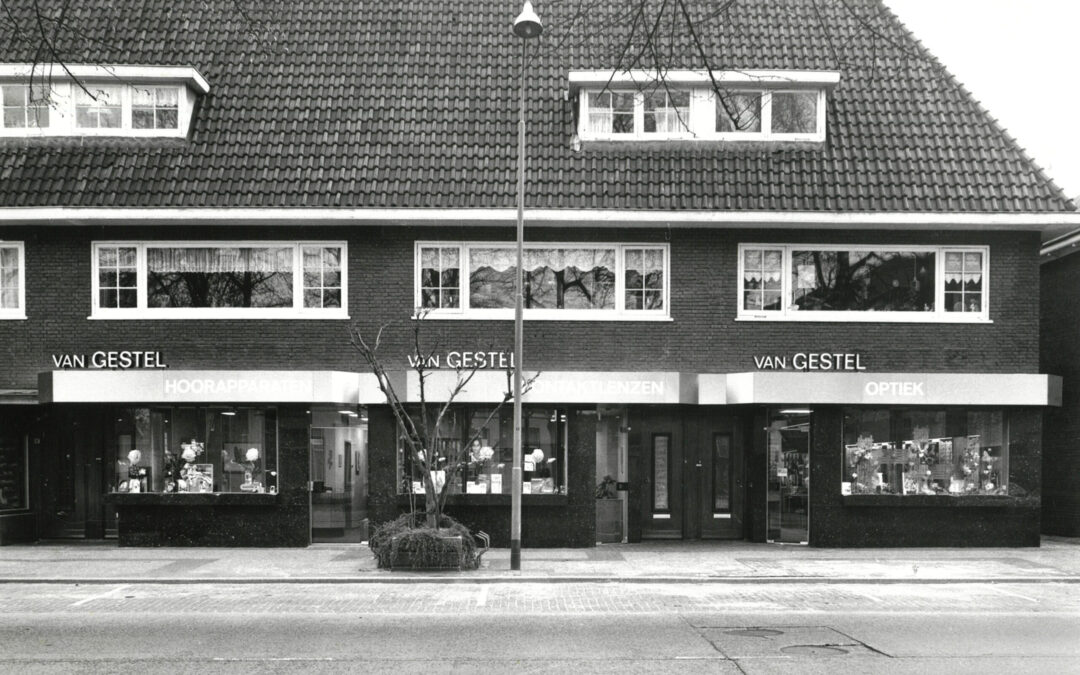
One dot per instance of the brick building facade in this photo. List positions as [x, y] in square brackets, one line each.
[885, 389]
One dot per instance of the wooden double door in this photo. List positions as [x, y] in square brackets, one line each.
[75, 470]
[690, 473]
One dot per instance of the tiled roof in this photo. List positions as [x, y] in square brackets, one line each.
[414, 104]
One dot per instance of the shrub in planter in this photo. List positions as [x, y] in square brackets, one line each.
[425, 547]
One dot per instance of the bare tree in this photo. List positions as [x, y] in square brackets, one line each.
[427, 430]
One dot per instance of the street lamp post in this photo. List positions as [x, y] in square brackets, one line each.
[526, 26]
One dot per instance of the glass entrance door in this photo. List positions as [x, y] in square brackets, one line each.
[788, 506]
[611, 454]
[339, 470]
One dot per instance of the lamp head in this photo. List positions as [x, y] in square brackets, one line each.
[528, 25]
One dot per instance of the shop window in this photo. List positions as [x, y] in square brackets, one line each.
[596, 282]
[195, 449]
[12, 281]
[487, 462]
[220, 280]
[925, 452]
[14, 465]
[881, 283]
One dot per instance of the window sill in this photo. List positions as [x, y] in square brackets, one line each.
[154, 316]
[191, 499]
[938, 501]
[683, 142]
[495, 500]
[552, 315]
[12, 317]
[864, 317]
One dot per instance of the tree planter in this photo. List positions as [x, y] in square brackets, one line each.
[609, 521]
[439, 552]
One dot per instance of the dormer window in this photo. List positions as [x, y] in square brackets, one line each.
[154, 107]
[99, 101]
[25, 106]
[611, 112]
[739, 111]
[667, 112]
[98, 107]
[777, 106]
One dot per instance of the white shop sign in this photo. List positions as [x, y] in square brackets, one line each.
[889, 388]
[202, 386]
[563, 387]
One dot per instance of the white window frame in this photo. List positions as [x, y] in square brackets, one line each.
[143, 311]
[701, 122]
[938, 315]
[62, 105]
[619, 313]
[17, 313]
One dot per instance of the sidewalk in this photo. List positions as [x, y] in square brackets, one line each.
[1058, 560]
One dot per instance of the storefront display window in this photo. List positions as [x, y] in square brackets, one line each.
[195, 449]
[488, 461]
[13, 471]
[925, 452]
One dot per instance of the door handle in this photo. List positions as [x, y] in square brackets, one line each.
[698, 465]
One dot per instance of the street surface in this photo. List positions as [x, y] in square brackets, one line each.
[527, 627]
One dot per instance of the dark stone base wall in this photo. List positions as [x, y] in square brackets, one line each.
[232, 519]
[17, 529]
[839, 522]
[546, 520]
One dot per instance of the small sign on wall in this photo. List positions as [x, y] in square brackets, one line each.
[114, 360]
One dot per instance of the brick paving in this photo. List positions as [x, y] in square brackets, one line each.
[538, 598]
[1058, 560]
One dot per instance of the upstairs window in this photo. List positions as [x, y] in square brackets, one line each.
[562, 281]
[854, 283]
[12, 281]
[207, 280]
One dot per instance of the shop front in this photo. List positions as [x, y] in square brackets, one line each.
[202, 458]
[17, 499]
[284, 458]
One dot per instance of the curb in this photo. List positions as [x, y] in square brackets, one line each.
[534, 579]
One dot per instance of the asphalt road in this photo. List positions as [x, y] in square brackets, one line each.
[537, 627]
